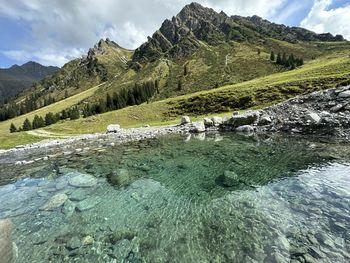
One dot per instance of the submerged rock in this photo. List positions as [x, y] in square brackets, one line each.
[248, 129]
[229, 179]
[121, 250]
[54, 202]
[7, 253]
[120, 177]
[74, 243]
[81, 180]
[88, 240]
[88, 203]
[79, 195]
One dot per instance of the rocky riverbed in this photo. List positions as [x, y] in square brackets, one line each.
[179, 198]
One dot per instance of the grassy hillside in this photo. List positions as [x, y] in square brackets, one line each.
[326, 72]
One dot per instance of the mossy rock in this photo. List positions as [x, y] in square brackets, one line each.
[119, 178]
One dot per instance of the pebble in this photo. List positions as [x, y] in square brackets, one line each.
[88, 240]
[55, 201]
[81, 180]
[88, 204]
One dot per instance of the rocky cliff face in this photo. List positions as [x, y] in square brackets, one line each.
[181, 36]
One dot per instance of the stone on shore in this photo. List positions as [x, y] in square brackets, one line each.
[54, 202]
[264, 120]
[313, 118]
[344, 94]
[185, 120]
[113, 128]
[81, 180]
[198, 127]
[247, 118]
[217, 121]
[336, 108]
[208, 122]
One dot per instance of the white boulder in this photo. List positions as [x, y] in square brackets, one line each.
[113, 128]
[185, 120]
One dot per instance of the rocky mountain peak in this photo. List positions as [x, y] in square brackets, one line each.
[181, 36]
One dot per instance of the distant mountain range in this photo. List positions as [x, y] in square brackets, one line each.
[15, 79]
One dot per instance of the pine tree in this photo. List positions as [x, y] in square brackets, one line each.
[284, 59]
[13, 128]
[74, 113]
[272, 56]
[49, 119]
[156, 85]
[279, 59]
[27, 126]
[38, 122]
[259, 51]
[109, 102]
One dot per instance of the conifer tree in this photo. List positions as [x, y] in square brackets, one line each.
[27, 126]
[38, 122]
[49, 119]
[279, 59]
[109, 102]
[13, 128]
[284, 59]
[74, 113]
[272, 56]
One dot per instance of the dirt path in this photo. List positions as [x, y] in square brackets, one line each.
[46, 134]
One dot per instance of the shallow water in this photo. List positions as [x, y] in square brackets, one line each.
[291, 202]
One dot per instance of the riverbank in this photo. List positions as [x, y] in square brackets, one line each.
[84, 143]
[322, 114]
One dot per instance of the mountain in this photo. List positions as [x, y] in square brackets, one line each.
[197, 50]
[181, 36]
[15, 79]
[105, 61]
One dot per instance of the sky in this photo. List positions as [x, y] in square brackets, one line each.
[57, 31]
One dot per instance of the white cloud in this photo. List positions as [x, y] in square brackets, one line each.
[60, 28]
[321, 19]
[45, 56]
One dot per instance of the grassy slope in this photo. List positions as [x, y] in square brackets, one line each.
[322, 73]
[207, 67]
[9, 140]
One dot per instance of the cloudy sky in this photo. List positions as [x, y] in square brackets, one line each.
[56, 31]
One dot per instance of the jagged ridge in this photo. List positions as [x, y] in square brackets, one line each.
[181, 36]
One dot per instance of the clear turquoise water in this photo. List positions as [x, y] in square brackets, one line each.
[292, 203]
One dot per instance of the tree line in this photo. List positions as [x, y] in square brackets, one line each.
[140, 93]
[287, 61]
[12, 110]
[49, 119]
